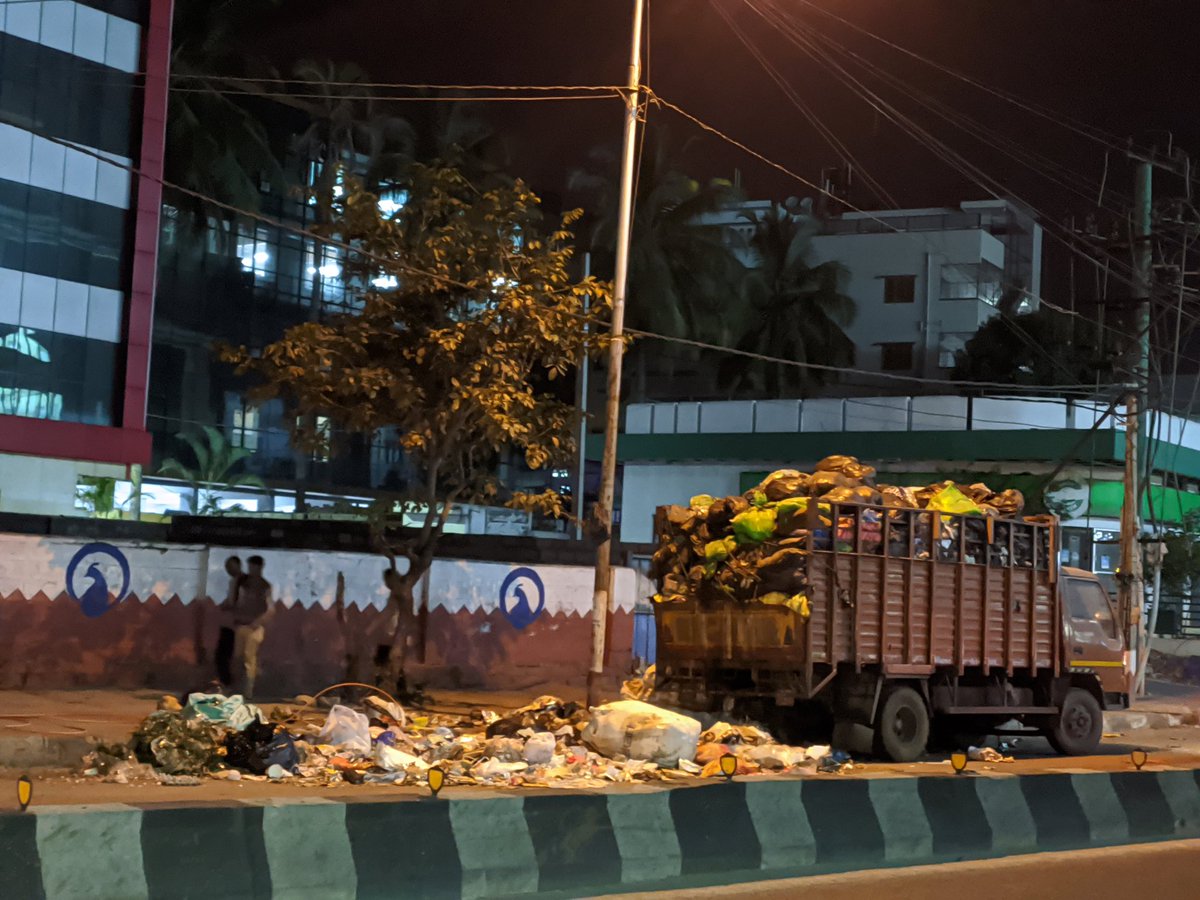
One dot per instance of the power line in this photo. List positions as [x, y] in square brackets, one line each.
[477, 98]
[403, 85]
[1059, 118]
[388, 263]
[809, 114]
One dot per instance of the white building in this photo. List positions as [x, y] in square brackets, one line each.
[924, 280]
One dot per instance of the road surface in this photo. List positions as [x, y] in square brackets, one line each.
[1165, 871]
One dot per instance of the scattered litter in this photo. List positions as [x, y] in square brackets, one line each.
[640, 687]
[987, 754]
[547, 743]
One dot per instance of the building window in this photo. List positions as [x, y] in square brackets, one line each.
[896, 357]
[245, 427]
[899, 288]
[974, 281]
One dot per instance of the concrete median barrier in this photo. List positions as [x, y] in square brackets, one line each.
[567, 844]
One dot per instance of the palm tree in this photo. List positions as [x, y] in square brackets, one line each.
[792, 310]
[682, 276]
[216, 460]
[215, 145]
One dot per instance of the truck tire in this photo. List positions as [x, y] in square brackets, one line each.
[903, 729]
[853, 737]
[1079, 726]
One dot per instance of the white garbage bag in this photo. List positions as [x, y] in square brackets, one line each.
[638, 730]
[347, 729]
[539, 749]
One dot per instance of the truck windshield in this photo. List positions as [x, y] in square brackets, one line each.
[1086, 602]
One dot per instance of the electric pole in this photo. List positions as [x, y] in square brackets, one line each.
[1133, 594]
[602, 590]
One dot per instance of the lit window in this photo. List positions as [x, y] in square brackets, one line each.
[391, 202]
[23, 342]
[245, 427]
[385, 282]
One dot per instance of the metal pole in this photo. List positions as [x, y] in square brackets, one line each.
[581, 475]
[608, 472]
[1156, 560]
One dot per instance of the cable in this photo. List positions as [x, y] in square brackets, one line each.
[394, 265]
[234, 79]
[832, 139]
[488, 98]
[1088, 131]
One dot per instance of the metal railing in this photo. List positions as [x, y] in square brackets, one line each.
[1178, 617]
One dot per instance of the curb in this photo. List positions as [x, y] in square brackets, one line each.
[34, 751]
[568, 844]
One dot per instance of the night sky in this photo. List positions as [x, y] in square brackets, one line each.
[1127, 68]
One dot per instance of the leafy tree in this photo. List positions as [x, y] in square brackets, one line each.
[792, 310]
[214, 471]
[1041, 347]
[455, 357]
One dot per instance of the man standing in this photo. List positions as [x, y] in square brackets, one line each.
[251, 612]
[226, 636]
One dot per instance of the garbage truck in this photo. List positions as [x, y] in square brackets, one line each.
[902, 628]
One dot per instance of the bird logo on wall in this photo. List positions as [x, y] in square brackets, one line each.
[515, 592]
[104, 568]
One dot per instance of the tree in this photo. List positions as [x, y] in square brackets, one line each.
[682, 275]
[792, 310]
[215, 145]
[216, 462]
[1042, 347]
[454, 358]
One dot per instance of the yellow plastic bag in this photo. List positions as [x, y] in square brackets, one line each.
[754, 525]
[797, 603]
[950, 499]
[701, 501]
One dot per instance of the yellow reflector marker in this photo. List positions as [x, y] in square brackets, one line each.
[729, 765]
[24, 792]
[437, 777]
[958, 761]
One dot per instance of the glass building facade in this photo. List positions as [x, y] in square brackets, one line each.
[83, 98]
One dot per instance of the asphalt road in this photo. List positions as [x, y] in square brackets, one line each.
[1164, 871]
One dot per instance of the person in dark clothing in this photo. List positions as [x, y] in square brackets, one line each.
[226, 636]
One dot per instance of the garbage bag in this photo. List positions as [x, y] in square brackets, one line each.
[840, 495]
[232, 711]
[823, 482]
[835, 463]
[347, 729]
[797, 603]
[638, 730]
[898, 497]
[722, 512]
[789, 513]
[394, 760]
[701, 502]
[242, 747]
[754, 526]
[1010, 503]
[949, 499]
[539, 749]
[176, 745]
[504, 749]
[783, 484]
[719, 551]
[859, 472]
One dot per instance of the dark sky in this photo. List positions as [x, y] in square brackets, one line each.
[1128, 68]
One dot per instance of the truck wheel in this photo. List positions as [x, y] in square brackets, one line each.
[903, 728]
[1079, 726]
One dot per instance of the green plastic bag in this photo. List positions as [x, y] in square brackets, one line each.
[701, 501]
[719, 551]
[754, 526]
[951, 500]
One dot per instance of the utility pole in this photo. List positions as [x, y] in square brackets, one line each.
[602, 590]
[1133, 593]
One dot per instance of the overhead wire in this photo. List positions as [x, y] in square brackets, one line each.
[809, 114]
[392, 264]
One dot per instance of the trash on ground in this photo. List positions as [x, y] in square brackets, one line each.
[987, 754]
[636, 730]
[547, 743]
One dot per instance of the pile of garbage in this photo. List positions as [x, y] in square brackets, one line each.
[549, 742]
[754, 546]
